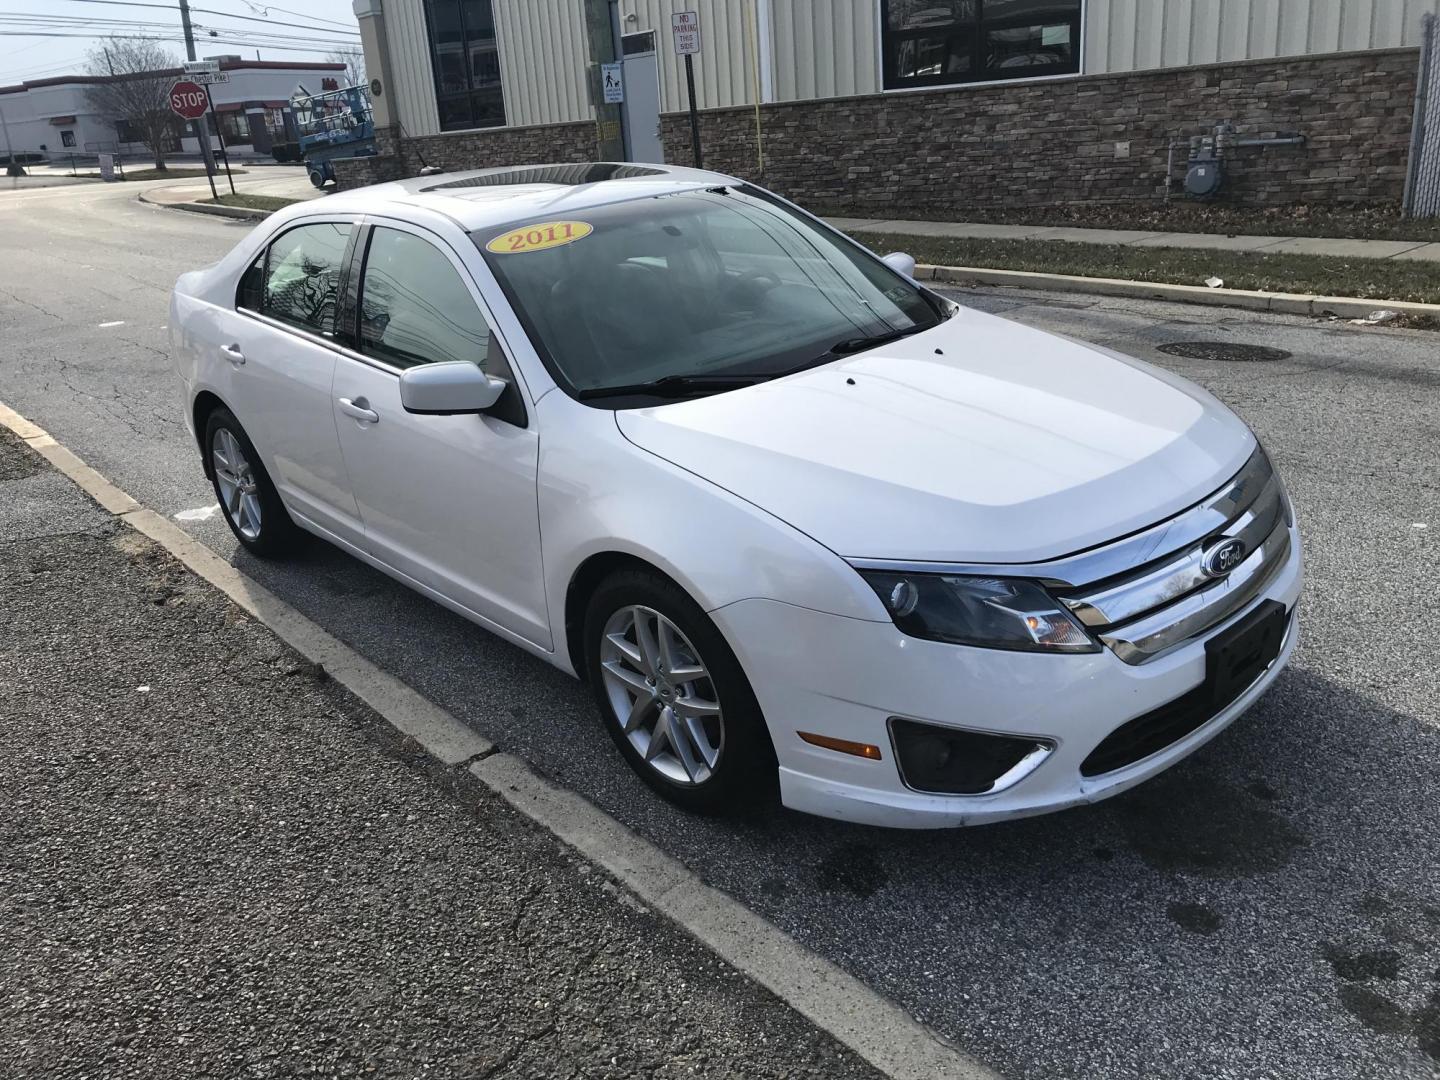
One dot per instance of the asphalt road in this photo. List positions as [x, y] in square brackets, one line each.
[214, 862]
[1267, 909]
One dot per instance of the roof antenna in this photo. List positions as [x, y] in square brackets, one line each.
[426, 169]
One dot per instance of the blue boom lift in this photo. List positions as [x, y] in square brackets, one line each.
[337, 124]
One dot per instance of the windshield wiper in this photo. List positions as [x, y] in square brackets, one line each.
[676, 386]
[860, 344]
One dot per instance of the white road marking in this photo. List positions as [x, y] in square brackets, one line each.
[852, 1013]
[107, 325]
[200, 513]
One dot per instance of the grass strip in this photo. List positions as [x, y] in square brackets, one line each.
[1369, 221]
[1323, 275]
[254, 202]
[161, 174]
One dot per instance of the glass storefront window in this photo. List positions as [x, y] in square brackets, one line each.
[467, 64]
[935, 42]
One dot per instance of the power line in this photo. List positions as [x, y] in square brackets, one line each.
[266, 8]
[336, 28]
[159, 37]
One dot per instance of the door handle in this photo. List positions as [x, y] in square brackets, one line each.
[233, 354]
[359, 409]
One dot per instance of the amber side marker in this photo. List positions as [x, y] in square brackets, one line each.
[844, 746]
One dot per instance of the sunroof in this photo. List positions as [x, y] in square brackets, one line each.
[568, 175]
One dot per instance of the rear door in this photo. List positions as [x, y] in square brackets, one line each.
[449, 501]
[279, 349]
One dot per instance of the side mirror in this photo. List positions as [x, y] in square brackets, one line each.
[900, 263]
[448, 389]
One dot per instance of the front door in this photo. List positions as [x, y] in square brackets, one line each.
[642, 99]
[449, 501]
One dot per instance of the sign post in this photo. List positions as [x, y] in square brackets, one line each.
[685, 25]
[189, 102]
[204, 73]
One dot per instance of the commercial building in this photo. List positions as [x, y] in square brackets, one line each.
[923, 104]
[55, 118]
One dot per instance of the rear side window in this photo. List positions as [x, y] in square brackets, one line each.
[414, 306]
[301, 281]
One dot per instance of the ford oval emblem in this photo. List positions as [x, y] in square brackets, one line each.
[1224, 557]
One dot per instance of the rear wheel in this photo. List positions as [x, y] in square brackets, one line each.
[674, 697]
[247, 498]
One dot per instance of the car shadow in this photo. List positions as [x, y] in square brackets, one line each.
[1284, 875]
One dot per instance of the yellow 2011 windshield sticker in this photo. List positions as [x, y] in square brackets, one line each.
[548, 234]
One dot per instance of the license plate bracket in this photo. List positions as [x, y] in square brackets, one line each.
[1239, 656]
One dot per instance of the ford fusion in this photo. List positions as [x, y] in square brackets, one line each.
[802, 524]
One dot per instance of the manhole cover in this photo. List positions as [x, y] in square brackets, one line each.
[1224, 350]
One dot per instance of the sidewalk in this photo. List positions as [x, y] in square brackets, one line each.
[299, 187]
[1295, 245]
[215, 862]
[279, 181]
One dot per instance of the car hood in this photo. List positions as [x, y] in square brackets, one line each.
[977, 441]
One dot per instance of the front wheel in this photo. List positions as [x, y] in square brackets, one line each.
[674, 697]
[317, 177]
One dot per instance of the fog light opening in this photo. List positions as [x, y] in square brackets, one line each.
[949, 761]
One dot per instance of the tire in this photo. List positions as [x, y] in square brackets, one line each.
[723, 761]
[248, 500]
[317, 178]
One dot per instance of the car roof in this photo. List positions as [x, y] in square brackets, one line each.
[489, 198]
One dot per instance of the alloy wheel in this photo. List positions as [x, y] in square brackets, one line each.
[661, 695]
[235, 477]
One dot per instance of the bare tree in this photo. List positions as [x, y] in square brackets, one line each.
[138, 75]
[353, 57]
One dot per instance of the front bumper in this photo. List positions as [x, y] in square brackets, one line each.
[845, 678]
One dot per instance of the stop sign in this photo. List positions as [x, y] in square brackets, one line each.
[187, 99]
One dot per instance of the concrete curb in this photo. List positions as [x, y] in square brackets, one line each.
[856, 1016]
[237, 212]
[1346, 307]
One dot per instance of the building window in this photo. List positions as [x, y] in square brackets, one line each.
[67, 138]
[467, 65]
[936, 42]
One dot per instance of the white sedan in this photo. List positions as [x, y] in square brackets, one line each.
[801, 523]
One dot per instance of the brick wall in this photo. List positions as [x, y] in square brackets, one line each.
[1054, 141]
[483, 149]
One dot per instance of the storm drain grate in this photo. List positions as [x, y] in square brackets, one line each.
[1224, 350]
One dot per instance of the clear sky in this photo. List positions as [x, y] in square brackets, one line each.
[58, 33]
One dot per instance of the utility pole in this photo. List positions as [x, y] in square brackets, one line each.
[600, 32]
[202, 132]
[12, 167]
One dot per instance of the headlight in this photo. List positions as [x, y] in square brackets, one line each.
[992, 613]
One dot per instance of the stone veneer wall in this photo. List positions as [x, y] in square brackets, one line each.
[1050, 142]
[481, 149]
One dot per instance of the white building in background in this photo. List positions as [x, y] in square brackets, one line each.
[54, 118]
[855, 105]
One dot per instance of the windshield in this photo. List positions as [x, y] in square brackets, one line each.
[694, 286]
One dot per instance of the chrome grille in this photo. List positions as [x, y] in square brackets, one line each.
[1149, 609]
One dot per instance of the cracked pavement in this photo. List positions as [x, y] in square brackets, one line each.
[1268, 909]
[214, 862]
